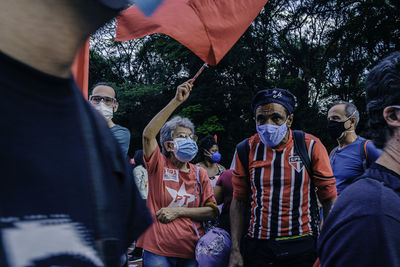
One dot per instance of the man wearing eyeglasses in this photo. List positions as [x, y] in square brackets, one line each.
[364, 224]
[103, 99]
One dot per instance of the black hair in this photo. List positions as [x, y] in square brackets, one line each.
[383, 90]
[138, 157]
[205, 144]
[104, 84]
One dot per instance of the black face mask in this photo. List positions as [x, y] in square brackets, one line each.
[336, 128]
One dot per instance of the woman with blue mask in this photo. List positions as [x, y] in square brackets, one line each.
[180, 194]
[210, 157]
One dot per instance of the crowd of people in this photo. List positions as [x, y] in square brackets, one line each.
[284, 200]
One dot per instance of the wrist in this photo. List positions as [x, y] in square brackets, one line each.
[174, 102]
[235, 249]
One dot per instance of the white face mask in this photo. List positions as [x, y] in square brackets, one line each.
[106, 111]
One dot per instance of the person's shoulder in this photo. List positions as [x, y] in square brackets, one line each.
[254, 139]
[120, 128]
[315, 144]
[366, 196]
[202, 171]
[309, 138]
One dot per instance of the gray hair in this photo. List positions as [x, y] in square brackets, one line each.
[169, 127]
[350, 110]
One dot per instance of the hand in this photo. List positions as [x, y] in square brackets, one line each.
[166, 215]
[235, 259]
[183, 91]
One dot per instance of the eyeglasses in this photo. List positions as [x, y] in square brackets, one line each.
[396, 106]
[96, 99]
[185, 136]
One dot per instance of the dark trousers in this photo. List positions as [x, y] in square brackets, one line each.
[299, 252]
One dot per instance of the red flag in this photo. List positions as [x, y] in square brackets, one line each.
[207, 27]
[80, 69]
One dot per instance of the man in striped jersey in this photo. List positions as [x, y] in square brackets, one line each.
[283, 223]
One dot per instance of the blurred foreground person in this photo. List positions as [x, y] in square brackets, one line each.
[364, 225]
[180, 193]
[66, 197]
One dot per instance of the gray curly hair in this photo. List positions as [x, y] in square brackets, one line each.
[169, 127]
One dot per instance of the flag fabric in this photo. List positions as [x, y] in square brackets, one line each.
[209, 28]
[80, 69]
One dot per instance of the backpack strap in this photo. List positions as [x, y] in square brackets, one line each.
[198, 184]
[243, 151]
[364, 154]
[301, 150]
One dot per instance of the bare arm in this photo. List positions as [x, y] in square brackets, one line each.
[166, 215]
[218, 194]
[154, 126]
[237, 211]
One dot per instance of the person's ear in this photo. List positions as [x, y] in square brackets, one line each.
[116, 107]
[169, 146]
[391, 117]
[290, 120]
[353, 122]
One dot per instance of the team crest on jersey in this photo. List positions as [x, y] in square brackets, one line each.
[296, 163]
[171, 175]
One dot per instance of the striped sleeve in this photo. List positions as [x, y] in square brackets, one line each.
[323, 175]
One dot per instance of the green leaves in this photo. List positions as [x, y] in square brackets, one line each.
[319, 50]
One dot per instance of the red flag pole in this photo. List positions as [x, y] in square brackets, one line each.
[205, 65]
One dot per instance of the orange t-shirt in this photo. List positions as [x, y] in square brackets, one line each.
[169, 187]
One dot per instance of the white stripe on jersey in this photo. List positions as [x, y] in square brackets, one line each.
[312, 190]
[291, 195]
[281, 191]
[255, 195]
[301, 201]
[262, 191]
[271, 179]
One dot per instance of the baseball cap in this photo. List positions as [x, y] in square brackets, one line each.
[280, 96]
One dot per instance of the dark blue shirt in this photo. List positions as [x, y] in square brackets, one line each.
[347, 163]
[47, 204]
[363, 227]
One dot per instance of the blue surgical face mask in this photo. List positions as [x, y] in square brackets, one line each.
[272, 135]
[215, 157]
[185, 149]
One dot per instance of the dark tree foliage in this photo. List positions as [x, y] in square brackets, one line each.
[319, 50]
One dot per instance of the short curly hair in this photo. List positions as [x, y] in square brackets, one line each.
[205, 144]
[383, 90]
[168, 129]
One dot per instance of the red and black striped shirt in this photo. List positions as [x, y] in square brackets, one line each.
[280, 187]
